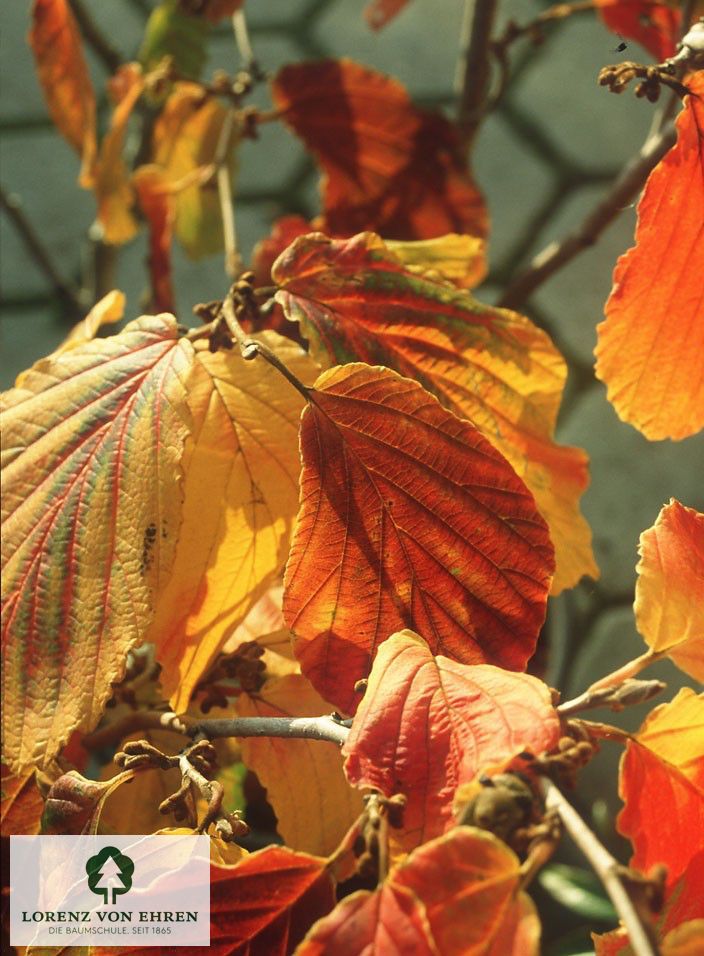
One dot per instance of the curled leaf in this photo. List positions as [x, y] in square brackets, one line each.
[73, 803]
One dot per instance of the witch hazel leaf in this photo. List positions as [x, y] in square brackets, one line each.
[662, 786]
[91, 511]
[395, 304]
[458, 895]
[656, 26]
[476, 715]
[669, 604]
[22, 804]
[650, 350]
[73, 803]
[408, 518]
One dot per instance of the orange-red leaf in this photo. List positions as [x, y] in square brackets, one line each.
[650, 351]
[63, 74]
[22, 804]
[662, 786]
[378, 13]
[669, 603]
[655, 24]
[474, 715]
[91, 509]
[387, 165]
[458, 895]
[408, 518]
[158, 207]
[313, 803]
[373, 301]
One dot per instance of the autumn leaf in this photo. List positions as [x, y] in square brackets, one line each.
[655, 24]
[173, 32]
[184, 143]
[91, 510]
[22, 804]
[458, 895]
[387, 165]
[649, 352]
[662, 786]
[363, 299]
[378, 13]
[240, 500]
[63, 74]
[158, 207]
[475, 714]
[74, 804]
[669, 605]
[221, 853]
[460, 260]
[313, 803]
[106, 311]
[408, 518]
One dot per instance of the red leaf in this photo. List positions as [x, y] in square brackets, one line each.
[655, 25]
[650, 351]
[387, 165]
[22, 804]
[63, 73]
[158, 208]
[408, 518]
[475, 714]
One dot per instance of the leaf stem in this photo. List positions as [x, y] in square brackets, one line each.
[623, 191]
[616, 696]
[627, 670]
[474, 68]
[605, 866]
[309, 728]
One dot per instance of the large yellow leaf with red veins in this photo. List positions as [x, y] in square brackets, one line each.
[91, 510]
[669, 603]
[240, 500]
[313, 803]
[63, 73]
[362, 299]
[650, 351]
[408, 518]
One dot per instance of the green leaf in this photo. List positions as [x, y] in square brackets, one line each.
[577, 889]
[169, 32]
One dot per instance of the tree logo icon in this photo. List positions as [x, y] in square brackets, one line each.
[109, 872]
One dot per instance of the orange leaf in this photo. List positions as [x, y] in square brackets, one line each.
[158, 208]
[74, 804]
[63, 73]
[652, 23]
[113, 189]
[91, 511]
[662, 786]
[22, 804]
[458, 895]
[106, 311]
[669, 605]
[365, 299]
[408, 518]
[475, 714]
[387, 165]
[313, 803]
[650, 351]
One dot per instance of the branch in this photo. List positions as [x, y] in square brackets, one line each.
[616, 883]
[69, 295]
[622, 193]
[129, 724]
[473, 71]
[616, 697]
[94, 37]
[310, 728]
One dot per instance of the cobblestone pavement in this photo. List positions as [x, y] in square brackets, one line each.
[542, 159]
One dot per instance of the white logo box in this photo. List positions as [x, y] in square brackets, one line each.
[110, 890]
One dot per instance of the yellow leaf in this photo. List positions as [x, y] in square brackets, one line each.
[458, 259]
[669, 604]
[91, 508]
[675, 732]
[240, 501]
[106, 311]
[221, 853]
[313, 803]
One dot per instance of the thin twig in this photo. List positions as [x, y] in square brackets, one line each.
[624, 190]
[13, 207]
[616, 697]
[474, 68]
[310, 728]
[627, 671]
[130, 724]
[244, 45]
[94, 37]
[604, 865]
[233, 259]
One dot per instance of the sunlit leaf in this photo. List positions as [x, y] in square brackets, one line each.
[387, 165]
[378, 13]
[408, 518]
[650, 351]
[460, 260]
[171, 31]
[367, 300]
[221, 853]
[655, 24]
[91, 510]
[22, 804]
[158, 207]
[113, 188]
[73, 804]
[458, 895]
[669, 605]
[240, 500]
[106, 311]
[313, 803]
[662, 786]
[474, 715]
[65, 81]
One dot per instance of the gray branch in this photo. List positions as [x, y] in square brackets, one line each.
[311, 728]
